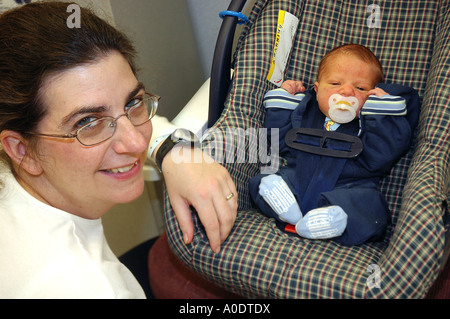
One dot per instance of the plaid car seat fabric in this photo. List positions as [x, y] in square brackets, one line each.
[412, 40]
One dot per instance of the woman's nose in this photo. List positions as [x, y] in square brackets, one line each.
[128, 138]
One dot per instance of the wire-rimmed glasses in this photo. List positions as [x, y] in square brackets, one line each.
[102, 129]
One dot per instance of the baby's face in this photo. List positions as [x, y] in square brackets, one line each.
[343, 87]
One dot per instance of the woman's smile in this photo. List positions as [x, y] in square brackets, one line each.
[125, 172]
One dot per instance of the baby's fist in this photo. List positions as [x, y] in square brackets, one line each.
[293, 87]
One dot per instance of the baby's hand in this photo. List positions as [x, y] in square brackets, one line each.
[378, 92]
[293, 86]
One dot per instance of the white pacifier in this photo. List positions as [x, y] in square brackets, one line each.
[342, 109]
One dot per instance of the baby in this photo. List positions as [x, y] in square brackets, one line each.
[336, 197]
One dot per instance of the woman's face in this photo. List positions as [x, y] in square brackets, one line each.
[88, 181]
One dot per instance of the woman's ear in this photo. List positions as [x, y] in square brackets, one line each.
[16, 146]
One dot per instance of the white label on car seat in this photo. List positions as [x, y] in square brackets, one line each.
[286, 29]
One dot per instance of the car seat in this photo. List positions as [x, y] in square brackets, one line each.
[412, 40]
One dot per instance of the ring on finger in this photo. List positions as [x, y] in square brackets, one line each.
[230, 196]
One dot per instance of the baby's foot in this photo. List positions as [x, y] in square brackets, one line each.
[322, 223]
[278, 196]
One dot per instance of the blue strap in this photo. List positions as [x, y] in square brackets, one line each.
[242, 18]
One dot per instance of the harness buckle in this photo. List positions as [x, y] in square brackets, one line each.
[322, 147]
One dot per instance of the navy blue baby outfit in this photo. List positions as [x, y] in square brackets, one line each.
[385, 128]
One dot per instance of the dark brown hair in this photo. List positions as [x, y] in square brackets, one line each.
[359, 51]
[36, 42]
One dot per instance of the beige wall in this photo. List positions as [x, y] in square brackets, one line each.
[168, 56]
[128, 225]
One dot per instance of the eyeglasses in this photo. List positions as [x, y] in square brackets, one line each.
[102, 129]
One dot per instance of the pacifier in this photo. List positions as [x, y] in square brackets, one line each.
[342, 109]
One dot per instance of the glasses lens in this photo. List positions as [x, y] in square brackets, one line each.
[153, 104]
[97, 131]
[143, 110]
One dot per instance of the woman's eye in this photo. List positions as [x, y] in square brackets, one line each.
[133, 102]
[84, 121]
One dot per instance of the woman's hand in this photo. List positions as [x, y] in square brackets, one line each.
[193, 178]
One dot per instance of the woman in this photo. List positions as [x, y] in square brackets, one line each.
[75, 128]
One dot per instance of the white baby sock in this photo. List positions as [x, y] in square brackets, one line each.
[279, 197]
[322, 223]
